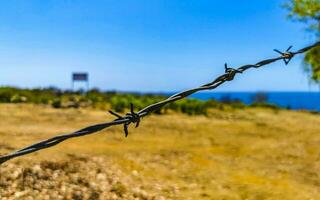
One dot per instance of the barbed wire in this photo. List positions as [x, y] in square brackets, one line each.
[135, 117]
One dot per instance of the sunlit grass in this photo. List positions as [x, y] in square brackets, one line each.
[234, 154]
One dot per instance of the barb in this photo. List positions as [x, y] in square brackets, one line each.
[231, 72]
[286, 56]
[135, 118]
[132, 117]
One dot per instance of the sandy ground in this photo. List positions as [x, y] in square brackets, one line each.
[230, 154]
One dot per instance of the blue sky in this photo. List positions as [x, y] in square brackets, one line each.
[148, 45]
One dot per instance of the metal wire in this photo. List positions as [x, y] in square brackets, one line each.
[135, 117]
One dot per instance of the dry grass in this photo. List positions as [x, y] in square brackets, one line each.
[230, 155]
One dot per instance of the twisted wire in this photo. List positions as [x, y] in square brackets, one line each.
[135, 117]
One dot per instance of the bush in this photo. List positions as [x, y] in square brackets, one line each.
[265, 105]
[119, 102]
[56, 103]
[18, 99]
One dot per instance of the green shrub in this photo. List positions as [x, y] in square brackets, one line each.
[56, 103]
[18, 99]
[265, 105]
[118, 102]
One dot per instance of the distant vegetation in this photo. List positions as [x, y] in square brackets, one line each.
[308, 11]
[116, 101]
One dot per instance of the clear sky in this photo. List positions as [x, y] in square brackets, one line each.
[148, 45]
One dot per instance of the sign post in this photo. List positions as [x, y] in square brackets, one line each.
[80, 77]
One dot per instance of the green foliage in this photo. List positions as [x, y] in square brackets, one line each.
[119, 102]
[304, 9]
[308, 11]
[189, 106]
[265, 105]
[312, 64]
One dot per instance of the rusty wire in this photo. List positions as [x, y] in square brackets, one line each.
[135, 117]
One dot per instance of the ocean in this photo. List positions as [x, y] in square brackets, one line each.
[291, 100]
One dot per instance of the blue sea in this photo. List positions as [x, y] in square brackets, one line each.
[292, 100]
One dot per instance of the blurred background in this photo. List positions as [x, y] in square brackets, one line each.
[152, 46]
[64, 63]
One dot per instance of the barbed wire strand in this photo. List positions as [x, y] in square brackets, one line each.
[133, 117]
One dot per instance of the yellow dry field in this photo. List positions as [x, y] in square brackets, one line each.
[229, 155]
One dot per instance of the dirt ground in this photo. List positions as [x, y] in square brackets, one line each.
[231, 155]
